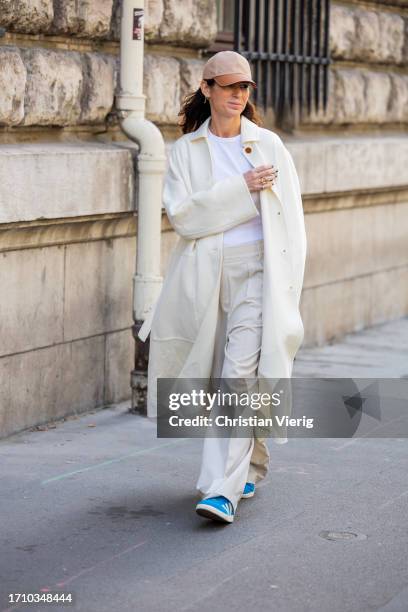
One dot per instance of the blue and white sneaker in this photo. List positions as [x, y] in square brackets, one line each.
[216, 508]
[249, 490]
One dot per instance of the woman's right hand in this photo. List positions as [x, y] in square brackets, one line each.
[261, 177]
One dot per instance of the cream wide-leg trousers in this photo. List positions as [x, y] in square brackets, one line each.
[228, 463]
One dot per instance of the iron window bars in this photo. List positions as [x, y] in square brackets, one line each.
[287, 43]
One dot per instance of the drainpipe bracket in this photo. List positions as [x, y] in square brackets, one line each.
[146, 290]
[131, 103]
[149, 165]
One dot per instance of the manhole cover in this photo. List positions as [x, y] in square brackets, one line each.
[342, 535]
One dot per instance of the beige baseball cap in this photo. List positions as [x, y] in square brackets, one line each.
[228, 67]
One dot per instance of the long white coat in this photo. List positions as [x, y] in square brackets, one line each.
[183, 322]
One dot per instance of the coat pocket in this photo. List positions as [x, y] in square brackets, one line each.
[176, 315]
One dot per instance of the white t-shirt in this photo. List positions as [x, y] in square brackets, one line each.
[229, 160]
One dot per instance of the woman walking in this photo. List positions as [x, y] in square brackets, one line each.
[229, 307]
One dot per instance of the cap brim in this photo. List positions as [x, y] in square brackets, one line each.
[230, 79]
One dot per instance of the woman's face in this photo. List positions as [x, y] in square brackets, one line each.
[228, 101]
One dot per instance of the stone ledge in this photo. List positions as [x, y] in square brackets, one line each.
[359, 163]
[104, 181]
[54, 232]
[50, 181]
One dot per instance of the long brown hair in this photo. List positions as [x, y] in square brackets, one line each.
[195, 110]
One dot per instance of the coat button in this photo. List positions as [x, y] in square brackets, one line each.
[283, 250]
[248, 149]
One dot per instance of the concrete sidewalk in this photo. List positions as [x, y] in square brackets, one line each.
[377, 352]
[99, 507]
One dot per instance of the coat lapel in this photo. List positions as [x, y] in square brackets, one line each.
[250, 148]
[252, 152]
[249, 130]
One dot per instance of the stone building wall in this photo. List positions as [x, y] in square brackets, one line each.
[68, 198]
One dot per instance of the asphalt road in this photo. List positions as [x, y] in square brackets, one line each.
[98, 507]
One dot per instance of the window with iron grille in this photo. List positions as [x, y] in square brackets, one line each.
[287, 44]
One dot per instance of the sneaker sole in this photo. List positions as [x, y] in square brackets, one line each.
[214, 514]
[246, 495]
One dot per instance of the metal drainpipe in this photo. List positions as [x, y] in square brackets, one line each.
[151, 164]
